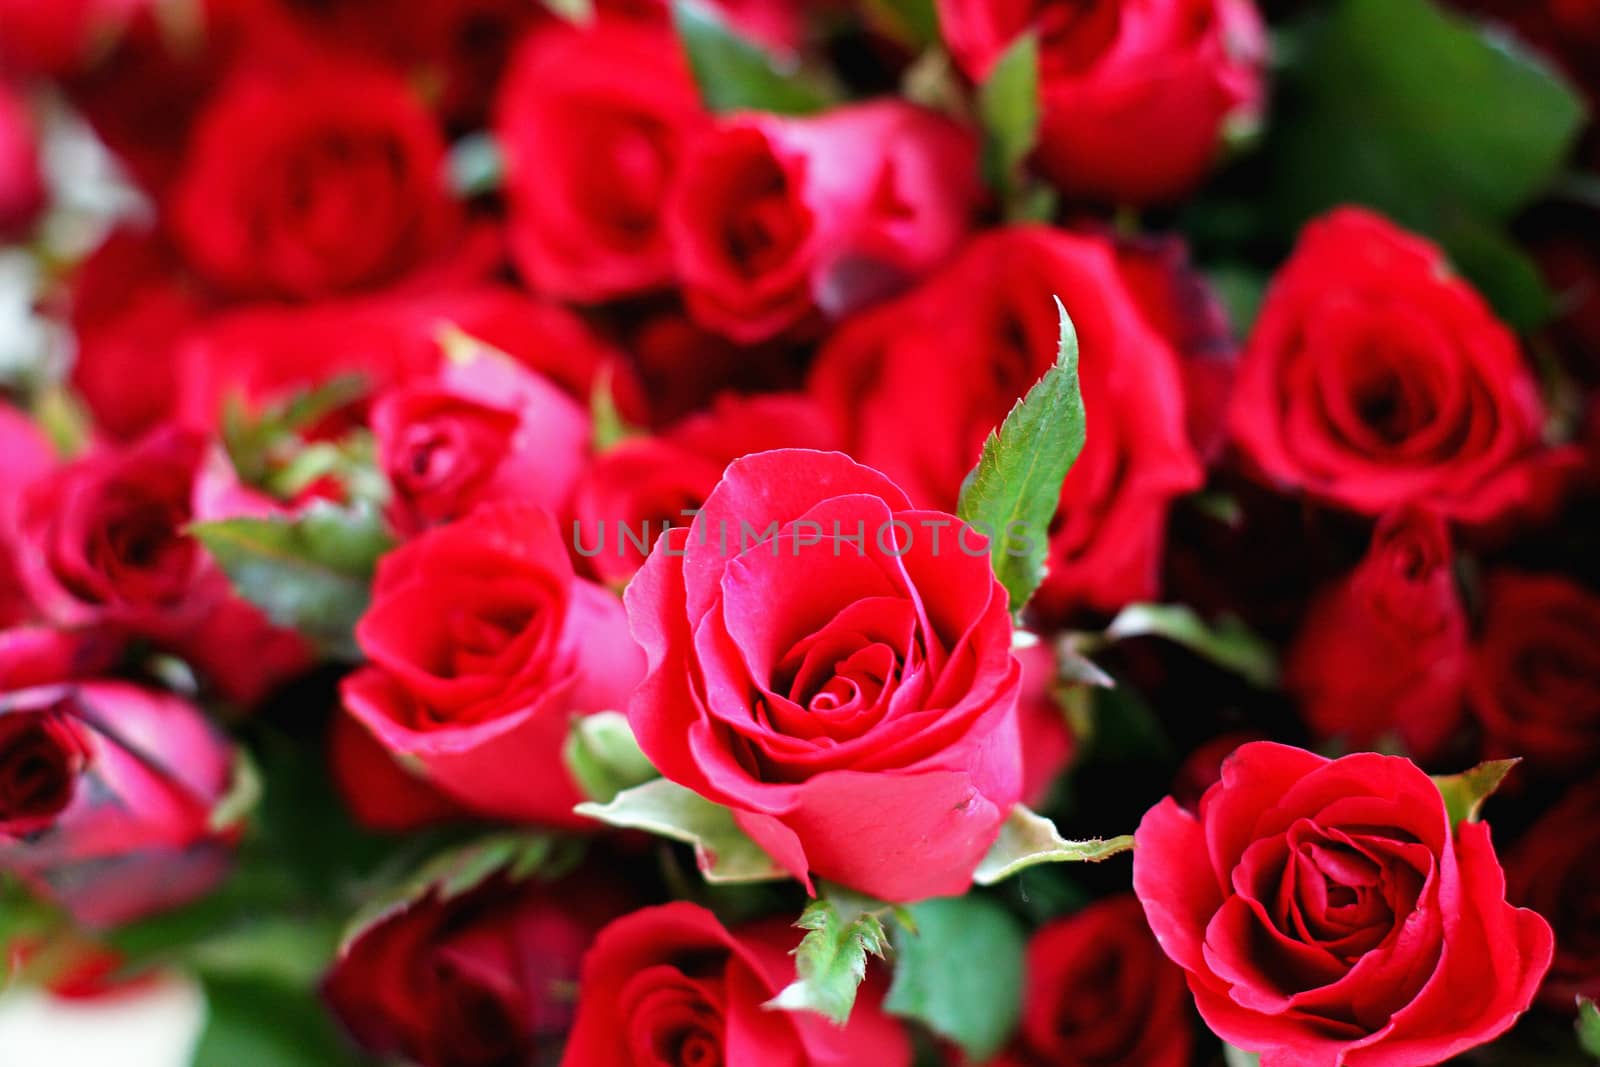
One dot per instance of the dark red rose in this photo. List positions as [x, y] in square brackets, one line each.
[107, 793]
[1375, 378]
[918, 384]
[774, 219]
[1137, 95]
[22, 191]
[482, 980]
[1178, 302]
[1555, 870]
[323, 181]
[1100, 992]
[130, 313]
[1202, 768]
[684, 367]
[483, 645]
[1535, 675]
[644, 485]
[483, 428]
[1329, 915]
[669, 986]
[853, 701]
[593, 122]
[1382, 653]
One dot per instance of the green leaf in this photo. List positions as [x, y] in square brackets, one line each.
[1443, 125]
[831, 960]
[603, 756]
[960, 972]
[577, 12]
[258, 442]
[458, 871]
[914, 23]
[667, 809]
[264, 1023]
[1589, 1026]
[1228, 643]
[309, 571]
[610, 428]
[476, 165]
[1238, 1057]
[1465, 793]
[733, 72]
[1027, 839]
[1008, 105]
[1011, 495]
[63, 419]
[243, 795]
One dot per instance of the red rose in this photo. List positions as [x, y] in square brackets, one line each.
[1383, 651]
[1100, 992]
[478, 981]
[59, 37]
[1535, 675]
[106, 798]
[1137, 95]
[918, 384]
[1048, 742]
[645, 485]
[322, 182]
[853, 701]
[592, 122]
[1328, 914]
[483, 428]
[380, 793]
[1555, 870]
[483, 644]
[684, 367]
[22, 191]
[103, 539]
[669, 986]
[130, 314]
[774, 219]
[1376, 378]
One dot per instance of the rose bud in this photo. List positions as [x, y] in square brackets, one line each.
[645, 485]
[326, 181]
[774, 220]
[1329, 915]
[1555, 870]
[107, 798]
[1136, 96]
[672, 985]
[593, 121]
[481, 980]
[483, 645]
[483, 428]
[1399, 617]
[1099, 993]
[916, 386]
[1535, 677]
[22, 191]
[1376, 378]
[841, 680]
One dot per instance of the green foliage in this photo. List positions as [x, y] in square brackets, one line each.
[734, 73]
[1465, 793]
[262, 1023]
[665, 808]
[603, 756]
[1434, 121]
[1589, 1026]
[1027, 838]
[1228, 643]
[842, 929]
[1012, 493]
[1008, 106]
[309, 571]
[958, 969]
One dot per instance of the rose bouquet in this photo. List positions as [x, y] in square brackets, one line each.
[854, 533]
